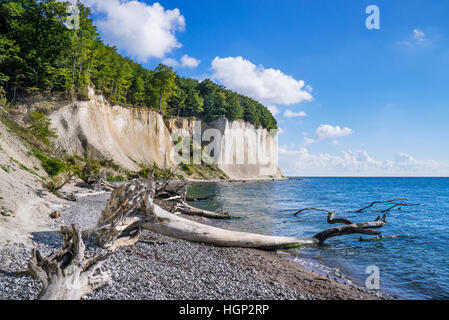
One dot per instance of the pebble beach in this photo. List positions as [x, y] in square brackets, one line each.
[162, 268]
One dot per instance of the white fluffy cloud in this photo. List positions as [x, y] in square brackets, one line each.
[355, 163]
[326, 131]
[189, 62]
[419, 35]
[274, 110]
[417, 38]
[170, 62]
[291, 114]
[269, 86]
[141, 30]
[186, 62]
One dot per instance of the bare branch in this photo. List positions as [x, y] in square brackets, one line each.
[330, 217]
[363, 228]
[380, 238]
[192, 199]
[379, 202]
[400, 205]
[167, 181]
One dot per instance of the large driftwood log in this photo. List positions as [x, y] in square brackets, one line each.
[67, 274]
[131, 208]
[177, 227]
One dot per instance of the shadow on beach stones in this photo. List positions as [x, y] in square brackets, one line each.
[51, 239]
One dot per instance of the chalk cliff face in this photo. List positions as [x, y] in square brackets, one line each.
[129, 136]
[134, 136]
[245, 151]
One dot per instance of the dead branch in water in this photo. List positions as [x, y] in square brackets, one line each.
[379, 202]
[185, 208]
[399, 206]
[330, 217]
[380, 238]
[364, 227]
[348, 228]
[193, 199]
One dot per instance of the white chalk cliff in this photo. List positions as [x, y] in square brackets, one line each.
[134, 136]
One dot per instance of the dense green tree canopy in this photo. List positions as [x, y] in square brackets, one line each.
[39, 53]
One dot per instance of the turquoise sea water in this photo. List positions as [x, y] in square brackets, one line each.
[414, 266]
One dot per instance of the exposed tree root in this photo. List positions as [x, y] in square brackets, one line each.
[130, 206]
[67, 274]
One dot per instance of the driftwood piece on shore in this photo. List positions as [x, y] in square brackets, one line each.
[172, 193]
[67, 274]
[177, 227]
[185, 208]
[102, 184]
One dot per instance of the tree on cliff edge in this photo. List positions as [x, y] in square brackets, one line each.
[165, 82]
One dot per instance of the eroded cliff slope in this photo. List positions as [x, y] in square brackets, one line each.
[24, 205]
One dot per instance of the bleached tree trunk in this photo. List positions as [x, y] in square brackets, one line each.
[177, 227]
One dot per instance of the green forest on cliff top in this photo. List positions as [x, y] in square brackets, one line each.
[39, 54]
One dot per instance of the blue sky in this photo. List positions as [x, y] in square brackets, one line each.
[373, 102]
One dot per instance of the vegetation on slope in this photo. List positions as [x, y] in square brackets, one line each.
[39, 54]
